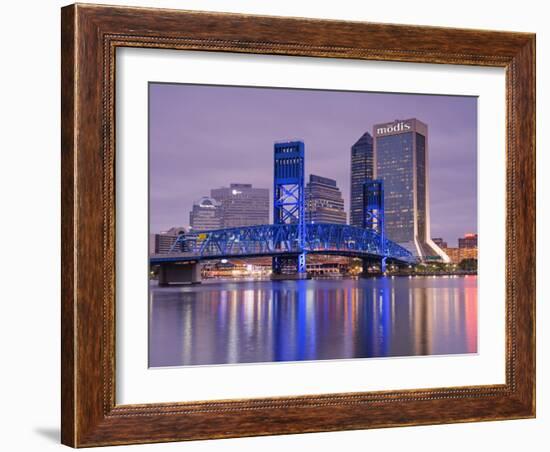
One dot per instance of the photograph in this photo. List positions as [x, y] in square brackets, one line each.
[291, 225]
[287, 223]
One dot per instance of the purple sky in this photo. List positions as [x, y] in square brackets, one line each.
[203, 137]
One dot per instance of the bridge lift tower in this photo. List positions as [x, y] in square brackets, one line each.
[289, 201]
[373, 213]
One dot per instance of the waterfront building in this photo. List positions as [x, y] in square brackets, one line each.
[206, 215]
[325, 265]
[324, 201]
[242, 205]
[401, 161]
[162, 243]
[362, 168]
[468, 241]
[440, 242]
[457, 255]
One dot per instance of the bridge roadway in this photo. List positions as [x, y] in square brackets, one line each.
[282, 240]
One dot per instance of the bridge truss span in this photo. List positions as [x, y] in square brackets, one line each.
[284, 239]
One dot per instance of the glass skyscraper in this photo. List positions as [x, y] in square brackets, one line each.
[362, 165]
[400, 160]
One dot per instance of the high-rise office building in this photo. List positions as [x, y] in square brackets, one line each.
[206, 215]
[362, 168]
[468, 241]
[324, 201]
[401, 161]
[242, 205]
[162, 243]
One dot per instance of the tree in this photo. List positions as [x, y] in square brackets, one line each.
[469, 265]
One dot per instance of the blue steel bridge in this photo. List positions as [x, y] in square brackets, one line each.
[282, 240]
[289, 239]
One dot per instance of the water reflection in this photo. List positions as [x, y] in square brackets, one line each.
[311, 320]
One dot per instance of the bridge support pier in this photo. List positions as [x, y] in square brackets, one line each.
[170, 274]
[371, 262]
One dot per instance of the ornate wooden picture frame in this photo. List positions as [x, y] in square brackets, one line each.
[90, 37]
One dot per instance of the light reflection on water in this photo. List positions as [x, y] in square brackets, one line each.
[264, 321]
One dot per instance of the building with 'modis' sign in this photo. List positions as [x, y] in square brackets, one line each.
[401, 161]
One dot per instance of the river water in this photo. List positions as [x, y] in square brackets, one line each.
[266, 321]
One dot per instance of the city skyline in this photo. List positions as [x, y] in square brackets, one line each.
[189, 134]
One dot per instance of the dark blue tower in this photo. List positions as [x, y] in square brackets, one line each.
[373, 206]
[289, 200]
[373, 212]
